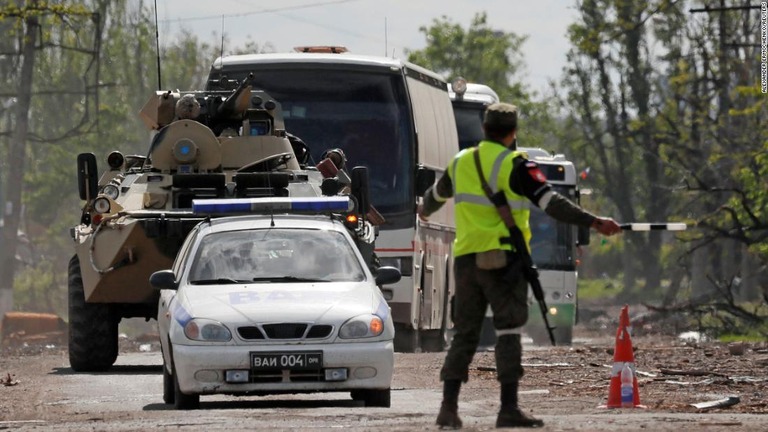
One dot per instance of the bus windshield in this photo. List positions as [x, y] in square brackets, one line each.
[363, 111]
[552, 243]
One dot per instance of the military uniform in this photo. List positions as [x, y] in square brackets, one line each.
[480, 232]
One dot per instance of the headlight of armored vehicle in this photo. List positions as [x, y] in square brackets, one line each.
[101, 205]
[111, 191]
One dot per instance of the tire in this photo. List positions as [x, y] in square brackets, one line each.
[169, 388]
[539, 335]
[373, 397]
[183, 401]
[92, 328]
[407, 340]
[433, 340]
[564, 335]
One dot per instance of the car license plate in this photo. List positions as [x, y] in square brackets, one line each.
[300, 360]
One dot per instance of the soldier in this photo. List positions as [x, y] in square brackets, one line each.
[187, 107]
[486, 270]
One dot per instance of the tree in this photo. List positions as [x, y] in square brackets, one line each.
[91, 75]
[667, 107]
[610, 86]
[483, 55]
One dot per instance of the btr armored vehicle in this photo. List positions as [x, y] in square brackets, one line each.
[213, 145]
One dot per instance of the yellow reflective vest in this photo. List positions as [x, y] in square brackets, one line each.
[479, 227]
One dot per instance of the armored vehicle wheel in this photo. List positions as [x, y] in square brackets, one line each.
[92, 329]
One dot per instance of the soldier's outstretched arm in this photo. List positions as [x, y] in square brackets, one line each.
[436, 196]
[528, 180]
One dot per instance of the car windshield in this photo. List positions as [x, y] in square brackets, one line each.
[275, 255]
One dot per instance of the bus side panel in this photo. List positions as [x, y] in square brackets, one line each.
[433, 276]
[437, 137]
[435, 124]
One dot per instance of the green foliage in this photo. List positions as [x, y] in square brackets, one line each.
[89, 83]
[37, 288]
[479, 54]
[483, 55]
[730, 323]
[598, 289]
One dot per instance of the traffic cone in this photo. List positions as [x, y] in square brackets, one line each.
[623, 355]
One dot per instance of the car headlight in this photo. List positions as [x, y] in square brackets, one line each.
[363, 326]
[206, 330]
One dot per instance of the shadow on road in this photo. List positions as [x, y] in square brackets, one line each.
[266, 404]
[114, 370]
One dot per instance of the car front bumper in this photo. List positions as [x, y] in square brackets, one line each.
[202, 369]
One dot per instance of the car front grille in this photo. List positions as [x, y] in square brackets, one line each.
[285, 331]
[276, 375]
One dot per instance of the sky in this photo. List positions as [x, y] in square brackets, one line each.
[373, 27]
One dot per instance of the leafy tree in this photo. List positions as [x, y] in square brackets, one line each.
[94, 68]
[483, 55]
[668, 109]
[610, 82]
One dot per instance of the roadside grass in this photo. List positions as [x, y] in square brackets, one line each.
[598, 289]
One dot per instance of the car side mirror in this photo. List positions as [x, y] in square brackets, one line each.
[425, 178]
[163, 279]
[387, 275]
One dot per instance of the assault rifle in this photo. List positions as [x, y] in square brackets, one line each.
[530, 272]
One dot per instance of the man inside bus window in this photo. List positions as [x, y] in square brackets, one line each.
[480, 234]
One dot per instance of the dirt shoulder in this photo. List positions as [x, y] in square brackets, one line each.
[563, 385]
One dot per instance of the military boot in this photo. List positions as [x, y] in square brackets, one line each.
[448, 417]
[510, 415]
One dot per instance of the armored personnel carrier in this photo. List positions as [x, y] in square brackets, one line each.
[208, 145]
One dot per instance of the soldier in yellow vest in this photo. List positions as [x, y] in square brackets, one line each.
[486, 270]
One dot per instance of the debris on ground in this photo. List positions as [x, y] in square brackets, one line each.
[720, 403]
[8, 380]
[25, 328]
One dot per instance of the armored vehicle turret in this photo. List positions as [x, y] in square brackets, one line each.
[207, 146]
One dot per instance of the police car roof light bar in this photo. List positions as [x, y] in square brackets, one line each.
[269, 205]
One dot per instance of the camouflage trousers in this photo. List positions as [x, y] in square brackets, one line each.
[506, 292]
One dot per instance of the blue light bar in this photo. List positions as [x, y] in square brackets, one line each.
[270, 205]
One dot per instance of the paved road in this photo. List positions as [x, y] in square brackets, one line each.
[129, 397]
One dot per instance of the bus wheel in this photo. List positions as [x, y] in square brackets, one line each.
[407, 340]
[432, 340]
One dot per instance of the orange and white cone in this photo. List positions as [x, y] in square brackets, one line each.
[623, 355]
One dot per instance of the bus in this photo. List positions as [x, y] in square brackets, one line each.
[554, 245]
[396, 118]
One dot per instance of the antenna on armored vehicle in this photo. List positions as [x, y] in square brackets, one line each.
[157, 44]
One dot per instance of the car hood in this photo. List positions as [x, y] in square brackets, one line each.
[280, 302]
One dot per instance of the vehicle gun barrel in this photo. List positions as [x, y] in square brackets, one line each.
[228, 106]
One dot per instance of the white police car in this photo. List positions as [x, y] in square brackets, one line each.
[266, 304]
